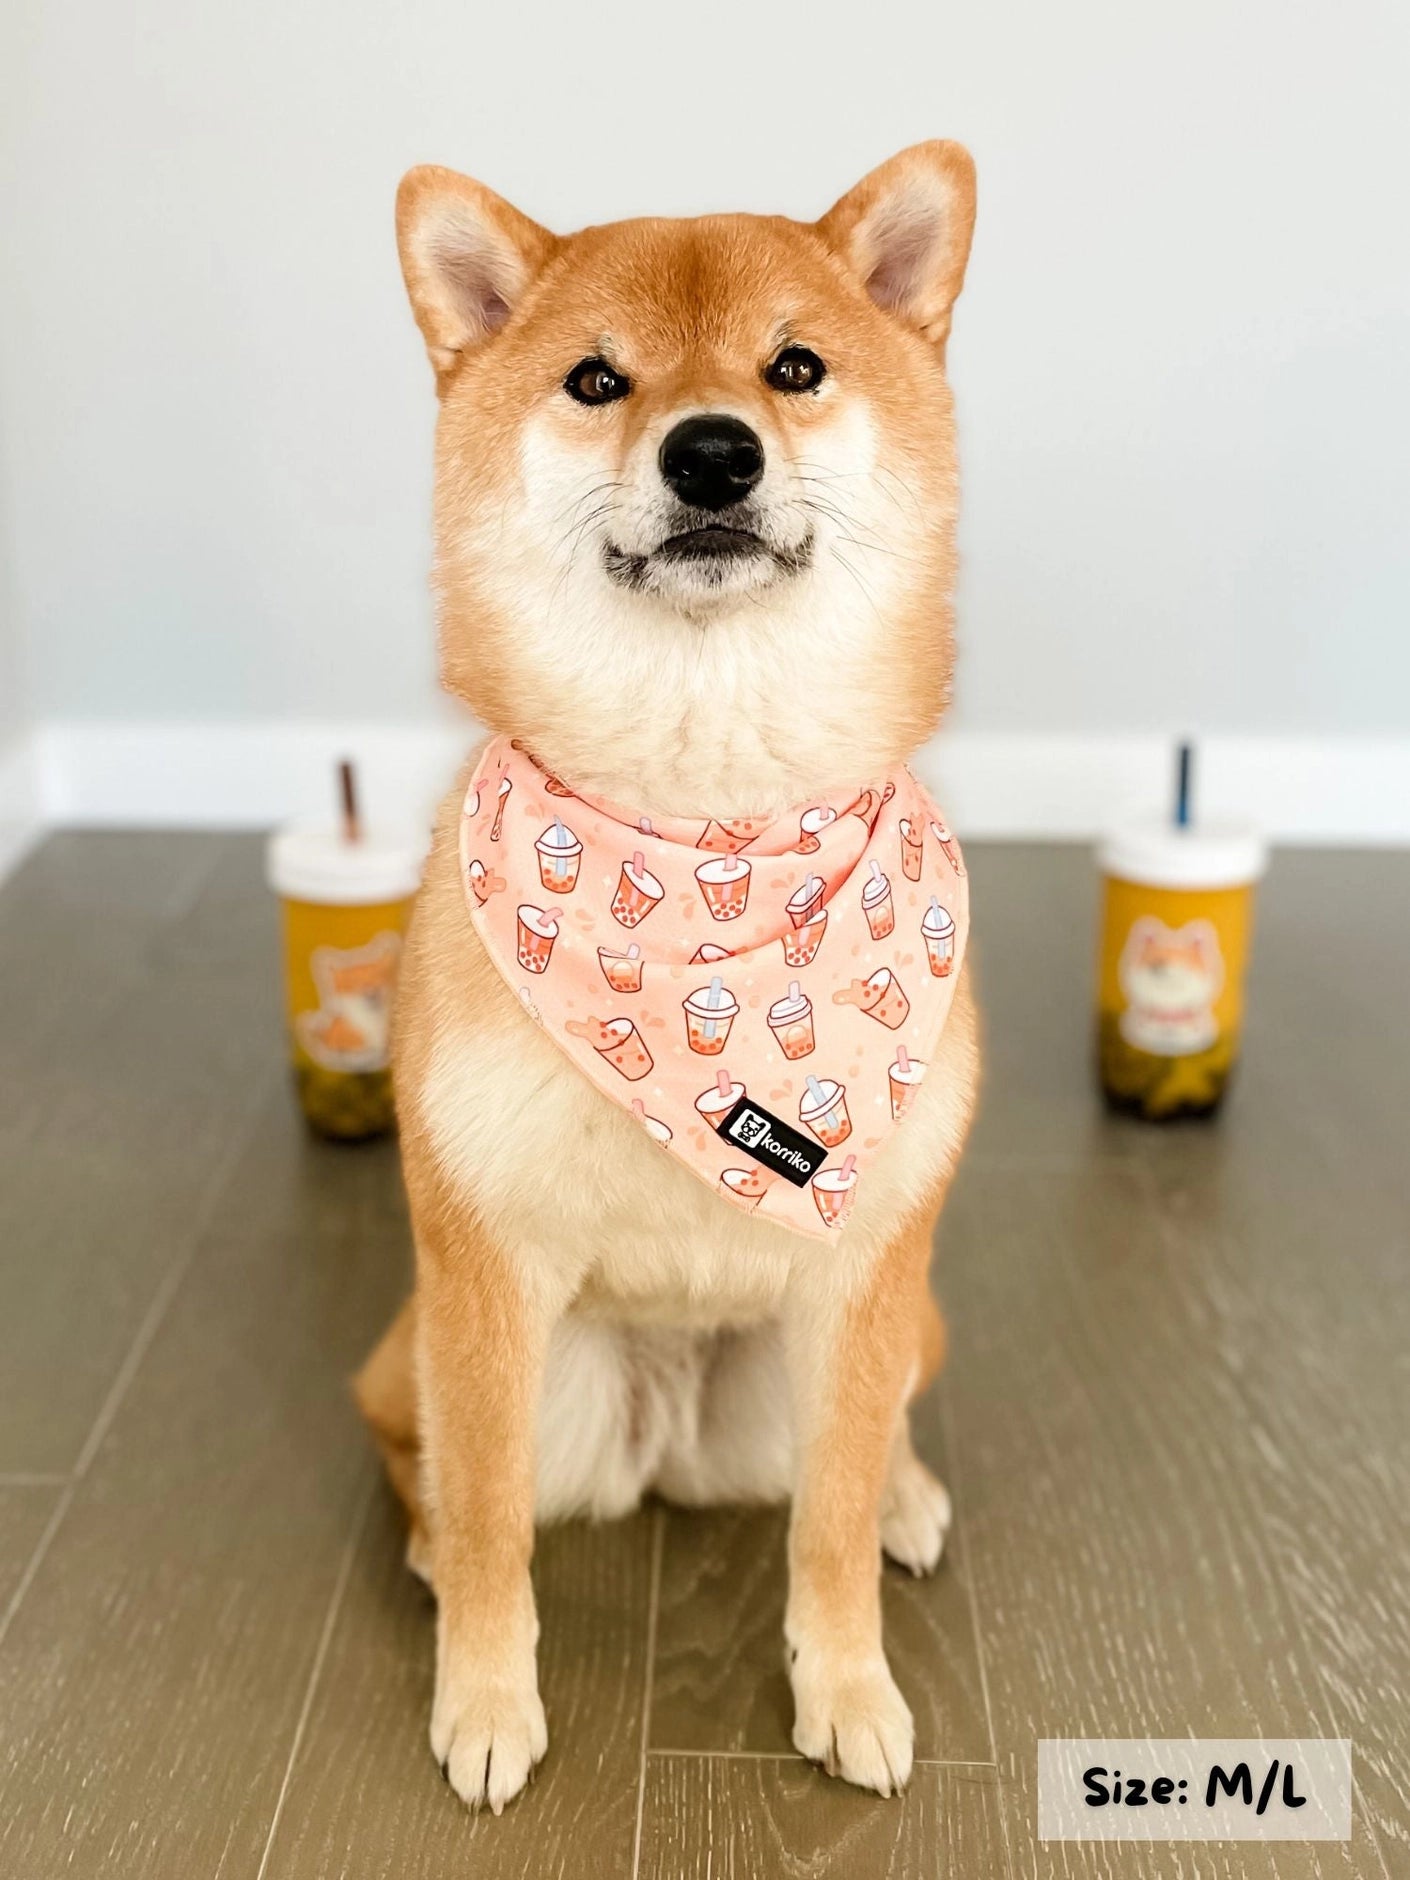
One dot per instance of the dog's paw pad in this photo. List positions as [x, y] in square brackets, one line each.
[915, 1517]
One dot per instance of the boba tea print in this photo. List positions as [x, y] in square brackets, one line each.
[740, 987]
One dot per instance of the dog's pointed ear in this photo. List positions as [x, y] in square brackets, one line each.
[906, 230]
[466, 255]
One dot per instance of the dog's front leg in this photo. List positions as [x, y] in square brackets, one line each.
[482, 1334]
[852, 1355]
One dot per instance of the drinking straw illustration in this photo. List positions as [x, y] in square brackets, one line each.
[876, 870]
[848, 1164]
[903, 1063]
[638, 1109]
[712, 999]
[645, 826]
[560, 842]
[505, 787]
[722, 1079]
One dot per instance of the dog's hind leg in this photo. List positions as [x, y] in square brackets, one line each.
[385, 1391]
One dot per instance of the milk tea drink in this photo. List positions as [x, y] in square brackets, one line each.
[560, 856]
[834, 1190]
[824, 1111]
[709, 1013]
[878, 905]
[938, 931]
[345, 905]
[1177, 918]
[791, 1022]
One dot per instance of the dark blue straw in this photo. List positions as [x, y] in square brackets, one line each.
[1182, 788]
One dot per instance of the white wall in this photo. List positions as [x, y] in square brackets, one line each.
[1183, 360]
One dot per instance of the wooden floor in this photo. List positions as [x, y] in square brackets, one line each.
[1176, 1424]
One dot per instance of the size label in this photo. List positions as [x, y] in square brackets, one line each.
[1187, 1789]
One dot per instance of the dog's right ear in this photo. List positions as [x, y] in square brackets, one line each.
[466, 256]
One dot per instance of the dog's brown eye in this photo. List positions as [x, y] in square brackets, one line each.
[796, 370]
[593, 382]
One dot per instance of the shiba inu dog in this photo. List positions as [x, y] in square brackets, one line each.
[695, 512]
[1171, 976]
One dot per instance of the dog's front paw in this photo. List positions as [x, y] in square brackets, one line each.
[487, 1732]
[915, 1515]
[854, 1722]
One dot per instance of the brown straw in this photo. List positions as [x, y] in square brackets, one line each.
[347, 789]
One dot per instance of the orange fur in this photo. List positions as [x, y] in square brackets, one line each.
[740, 699]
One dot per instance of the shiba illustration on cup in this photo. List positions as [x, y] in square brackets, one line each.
[1171, 978]
[350, 1030]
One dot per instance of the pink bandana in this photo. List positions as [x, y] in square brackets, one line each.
[763, 996]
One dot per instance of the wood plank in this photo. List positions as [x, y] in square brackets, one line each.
[366, 1798]
[720, 1682]
[25, 1512]
[155, 1671]
[1125, 1584]
[744, 1818]
[132, 1065]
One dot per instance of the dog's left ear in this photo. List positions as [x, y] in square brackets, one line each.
[906, 230]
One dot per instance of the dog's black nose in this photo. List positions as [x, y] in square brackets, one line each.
[712, 461]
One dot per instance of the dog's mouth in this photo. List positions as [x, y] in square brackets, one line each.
[717, 555]
[714, 541]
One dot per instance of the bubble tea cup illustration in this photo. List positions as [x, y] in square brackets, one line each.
[834, 1190]
[716, 1103]
[560, 856]
[824, 1111]
[638, 892]
[709, 1013]
[724, 882]
[791, 1022]
[904, 1076]
[878, 905]
[879, 995]
[654, 1127]
[800, 944]
[810, 827]
[806, 901]
[747, 1185]
[537, 933]
[618, 1041]
[938, 932]
[622, 971]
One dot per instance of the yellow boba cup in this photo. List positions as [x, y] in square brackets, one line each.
[345, 908]
[1177, 921]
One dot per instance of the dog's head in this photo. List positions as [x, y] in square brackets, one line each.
[695, 488]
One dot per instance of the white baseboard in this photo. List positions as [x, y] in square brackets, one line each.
[21, 815]
[1350, 791]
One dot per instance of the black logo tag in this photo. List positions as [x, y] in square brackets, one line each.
[773, 1143]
